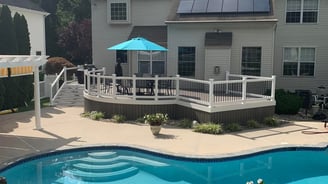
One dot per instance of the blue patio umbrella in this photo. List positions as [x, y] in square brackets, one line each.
[138, 43]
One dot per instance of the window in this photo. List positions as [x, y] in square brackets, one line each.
[151, 62]
[122, 56]
[251, 61]
[118, 11]
[302, 11]
[299, 61]
[186, 61]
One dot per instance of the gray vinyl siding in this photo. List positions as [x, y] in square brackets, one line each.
[104, 35]
[302, 35]
[243, 34]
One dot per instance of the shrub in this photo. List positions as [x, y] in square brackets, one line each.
[56, 64]
[185, 123]
[94, 115]
[253, 124]
[232, 127]
[271, 121]
[119, 118]
[209, 128]
[287, 103]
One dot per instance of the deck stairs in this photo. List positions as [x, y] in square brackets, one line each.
[103, 167]
[71, 95]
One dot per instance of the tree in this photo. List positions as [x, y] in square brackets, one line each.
[76, 40]
[73, 10]
[22, 35]
[8, 43]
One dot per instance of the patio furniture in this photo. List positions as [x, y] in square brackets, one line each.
[166, 85]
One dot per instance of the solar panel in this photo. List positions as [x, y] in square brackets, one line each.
[200, 6]
[214, 6]
[185, 6]
[224, 6]
[261, 5]
[230, 6]
[245, 6]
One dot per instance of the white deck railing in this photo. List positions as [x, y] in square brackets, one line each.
[160, 90]
[61, 79]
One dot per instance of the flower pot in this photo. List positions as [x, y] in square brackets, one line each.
[155, 129]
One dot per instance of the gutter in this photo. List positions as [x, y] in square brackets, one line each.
[218, 21]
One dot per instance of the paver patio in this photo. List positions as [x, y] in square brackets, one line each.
[63, 127]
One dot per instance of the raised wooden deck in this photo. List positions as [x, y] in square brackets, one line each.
[227, 101]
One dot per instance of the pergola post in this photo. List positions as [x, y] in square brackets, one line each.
[37, 105]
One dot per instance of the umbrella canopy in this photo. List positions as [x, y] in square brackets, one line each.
[138, 43]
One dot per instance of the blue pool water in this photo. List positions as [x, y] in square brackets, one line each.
[123, 165]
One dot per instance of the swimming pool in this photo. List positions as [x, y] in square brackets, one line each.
[124, 164]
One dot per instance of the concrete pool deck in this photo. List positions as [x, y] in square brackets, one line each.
[63, 128]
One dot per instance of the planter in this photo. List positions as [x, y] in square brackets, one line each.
[155, 129]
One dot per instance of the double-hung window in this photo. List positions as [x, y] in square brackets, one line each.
[118, 11]
[251, 61]
[299, 61]
[302, 11]
[151, 62]
[186, 61]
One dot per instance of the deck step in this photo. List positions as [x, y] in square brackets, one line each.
[102, 176]
[102, 168]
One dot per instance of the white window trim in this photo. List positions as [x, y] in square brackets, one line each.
[128, 12]
[299, 61]
[301, 18]
[151, 60]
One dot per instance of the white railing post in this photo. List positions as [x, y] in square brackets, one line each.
[156, 88]
[227, 84]
[177, 86]
[244, 88]
[88, 82]
[93, 73]
[134, 87]
[65, 74]
[57, 83]
[211, 93]
[114, 85]
[98, 84]
[273, 88]
[104, 71]
[85, 73]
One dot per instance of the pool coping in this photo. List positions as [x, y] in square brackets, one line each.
[164, 153]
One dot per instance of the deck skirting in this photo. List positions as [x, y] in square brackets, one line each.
[177, 111]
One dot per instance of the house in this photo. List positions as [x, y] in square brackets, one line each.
[205, 38]
[35, 17]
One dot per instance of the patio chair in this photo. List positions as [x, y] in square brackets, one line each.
[166, 85]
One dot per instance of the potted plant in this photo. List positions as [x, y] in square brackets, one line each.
[155, 121]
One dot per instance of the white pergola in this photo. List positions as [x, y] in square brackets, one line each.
[10, 61]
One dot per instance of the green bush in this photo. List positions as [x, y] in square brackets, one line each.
[209, 128]
[185, 123]
[119, 118]
[94, 115]
[232, 127]
[253, 124]
[271, 121]
[287, 103]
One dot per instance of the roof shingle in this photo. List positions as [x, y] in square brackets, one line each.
[28, 4]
